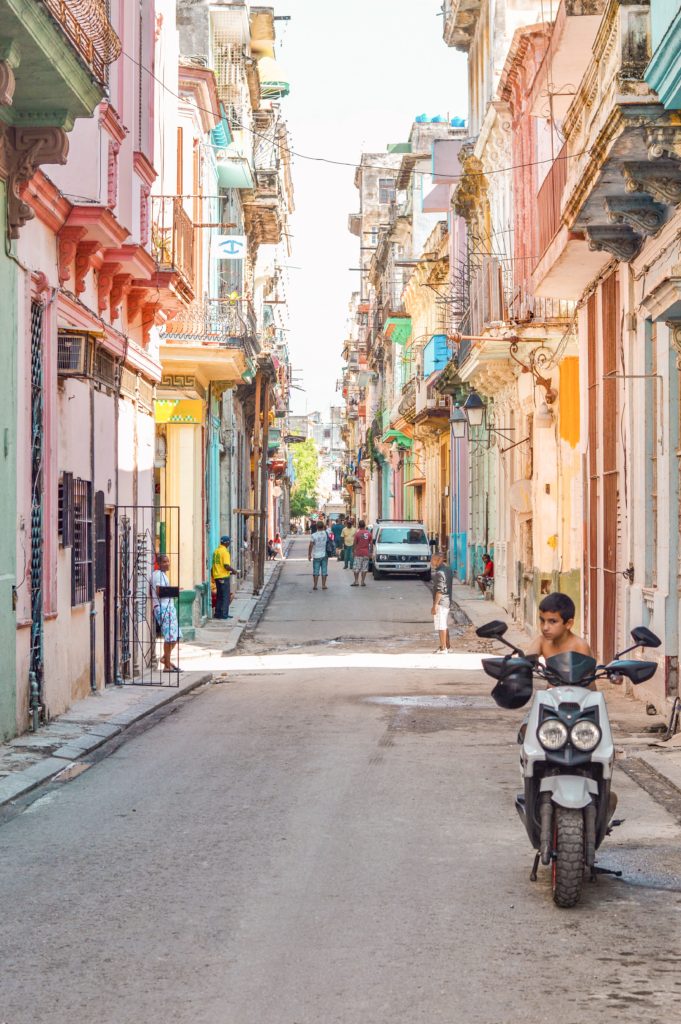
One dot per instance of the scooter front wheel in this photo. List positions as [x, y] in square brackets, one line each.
[568, 854]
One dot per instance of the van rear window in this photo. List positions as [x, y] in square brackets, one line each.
[401, 535]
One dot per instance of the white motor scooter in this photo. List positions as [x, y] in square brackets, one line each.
[567, 753]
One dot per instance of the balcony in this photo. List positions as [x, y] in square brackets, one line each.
[624, 150]
[264, 209]
[549, 200]
[459, 18]
[172, 244]
[54, 60]
[574, 31]
[86, 24]
[215, 339]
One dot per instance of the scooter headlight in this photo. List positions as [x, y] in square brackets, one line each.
[552, 734]
[585, 735]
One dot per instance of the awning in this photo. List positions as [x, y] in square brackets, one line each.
[418, 481]
[398, 329]
[397, 435]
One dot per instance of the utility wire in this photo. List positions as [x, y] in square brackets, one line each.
[354, 164]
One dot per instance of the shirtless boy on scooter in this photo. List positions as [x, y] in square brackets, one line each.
[556, 619]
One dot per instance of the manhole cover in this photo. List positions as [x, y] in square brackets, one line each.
[437, 702]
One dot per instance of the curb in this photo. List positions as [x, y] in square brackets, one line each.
[264, 598]
[20, 783]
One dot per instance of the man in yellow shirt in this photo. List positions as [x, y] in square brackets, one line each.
[221, 571]
[348, 538]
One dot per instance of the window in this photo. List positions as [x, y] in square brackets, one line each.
[386, 190]
[401, 535]
[81, 547]
[374, 236]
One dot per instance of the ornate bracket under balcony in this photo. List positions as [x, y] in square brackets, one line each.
[639, 211]
[660, 179]
[22, 152]
[621, 242]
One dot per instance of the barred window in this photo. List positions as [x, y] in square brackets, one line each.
[81, 547]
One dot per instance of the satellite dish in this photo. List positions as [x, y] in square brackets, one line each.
[520, 496]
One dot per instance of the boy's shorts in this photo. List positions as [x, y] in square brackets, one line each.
[320, 565]
[441, 618]
[360, 563]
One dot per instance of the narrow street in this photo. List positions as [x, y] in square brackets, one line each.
[285, 848]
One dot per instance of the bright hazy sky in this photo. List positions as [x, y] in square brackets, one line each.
[360, 72]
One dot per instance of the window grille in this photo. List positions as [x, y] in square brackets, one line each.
[100, 541]
[105, 367]
[81, 548]
[386, 191]
[128, 382]
[146, 394]
[65, 515]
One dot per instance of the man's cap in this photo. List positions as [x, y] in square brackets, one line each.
[224, 540]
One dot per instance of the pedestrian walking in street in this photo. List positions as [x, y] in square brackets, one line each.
[221, 572]
[317, 553]
[337, 528]
[165, 612]
[278, 547]
[442, 596]
[362, 546]
[348, 535]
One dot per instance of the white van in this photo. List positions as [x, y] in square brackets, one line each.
[401, 546]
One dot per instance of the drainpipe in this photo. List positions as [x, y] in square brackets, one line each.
[117, 677]
[91, 548]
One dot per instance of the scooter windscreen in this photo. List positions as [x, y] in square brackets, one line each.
[571, 667]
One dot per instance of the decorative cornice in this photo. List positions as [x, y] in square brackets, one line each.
[110, 120]
[143, 168]
[102, 225]
[50, 206]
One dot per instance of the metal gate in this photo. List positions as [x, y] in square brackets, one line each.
[36, 571]
[146, 594]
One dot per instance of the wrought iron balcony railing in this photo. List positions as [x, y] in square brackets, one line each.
[172, 236]
[219, 323]
[87, 25]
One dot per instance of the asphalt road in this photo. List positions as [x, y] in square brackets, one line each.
[287, 848]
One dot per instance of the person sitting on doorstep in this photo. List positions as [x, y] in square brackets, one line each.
[485, 579]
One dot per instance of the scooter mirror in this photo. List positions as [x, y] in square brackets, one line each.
[644, 637]
[492, 630]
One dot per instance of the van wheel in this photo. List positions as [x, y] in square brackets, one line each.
[376, 574]
[426, 576]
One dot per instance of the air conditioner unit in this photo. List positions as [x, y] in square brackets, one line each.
[74, 354]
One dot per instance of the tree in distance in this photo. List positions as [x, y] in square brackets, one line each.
[304, 490]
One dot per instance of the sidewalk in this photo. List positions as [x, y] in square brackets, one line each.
[637, 733]
[32, 759]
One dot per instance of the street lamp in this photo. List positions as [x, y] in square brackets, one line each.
[458, 422]
[474, 408]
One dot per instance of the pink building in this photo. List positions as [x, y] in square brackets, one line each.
[92, 291]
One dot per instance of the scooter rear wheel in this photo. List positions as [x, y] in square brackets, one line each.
[568, 852]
